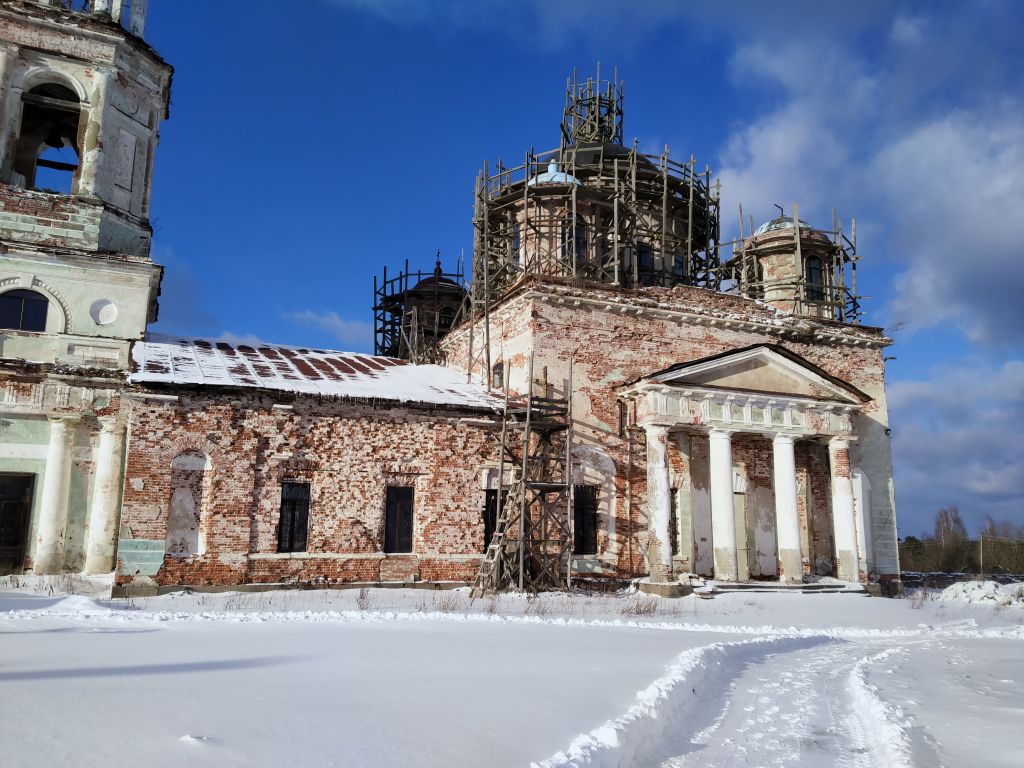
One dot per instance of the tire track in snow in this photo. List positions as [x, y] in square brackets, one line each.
[669, 704]
[773, 702]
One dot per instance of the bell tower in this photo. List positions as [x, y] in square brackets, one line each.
[82, 96]
[81, 99]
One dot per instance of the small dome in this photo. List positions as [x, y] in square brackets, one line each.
[552, 176]
[437, 280]
[430, 282]
[780, 222]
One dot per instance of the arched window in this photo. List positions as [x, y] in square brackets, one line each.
[574, 239]
[517, 243]
[22, 310]
[498, 375]
[814, 273]
[46, 156]
[445, 317]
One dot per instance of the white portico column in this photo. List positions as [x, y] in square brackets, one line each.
[102, 544]
[723, 516]
[53, 504]
[659, 503]
[787, 516]
[843, 515]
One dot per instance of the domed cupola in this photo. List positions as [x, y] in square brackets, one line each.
[796, 267]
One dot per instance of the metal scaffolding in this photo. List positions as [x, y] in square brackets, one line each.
[593, 211]
[531, 547]
[788, 262]
[413, 311]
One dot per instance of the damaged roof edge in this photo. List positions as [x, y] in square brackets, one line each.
[170, 361]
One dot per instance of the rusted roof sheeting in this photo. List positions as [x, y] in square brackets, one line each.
[187, 361]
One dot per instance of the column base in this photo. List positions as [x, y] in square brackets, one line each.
[669, 589]
[98, 565]
[848, 569]
[792, 567]
[726, 565]
[47, 564]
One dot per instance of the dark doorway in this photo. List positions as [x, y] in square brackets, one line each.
[15, 513]
[584, 520]
[491, 514]
[398, 519]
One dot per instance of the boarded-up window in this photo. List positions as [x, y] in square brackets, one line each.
[398, 519]
[585, 520]
[294, 528]
[189, 490]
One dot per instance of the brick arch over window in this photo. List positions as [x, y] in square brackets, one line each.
[197, 445]
[37, 76]
[63, 307]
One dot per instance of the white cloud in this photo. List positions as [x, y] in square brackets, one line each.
[800, 151]
[956, 441]
[247, 339]
[935, 180]
[349, 332]
[908, 30]
[955, 189]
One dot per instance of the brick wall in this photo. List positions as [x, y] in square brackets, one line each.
[347, 452]
[42, 218]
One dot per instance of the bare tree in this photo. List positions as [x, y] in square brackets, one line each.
[949, 528]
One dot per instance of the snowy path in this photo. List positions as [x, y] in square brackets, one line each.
[940, 700]
[802, 707]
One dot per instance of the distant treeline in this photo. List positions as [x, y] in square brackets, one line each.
[999, 548]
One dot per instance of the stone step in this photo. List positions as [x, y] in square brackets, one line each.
[805, 589]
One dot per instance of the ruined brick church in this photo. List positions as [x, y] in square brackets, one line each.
[615, 393]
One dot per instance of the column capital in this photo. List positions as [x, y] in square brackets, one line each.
[721, 434]
[62, 422]
[109, 423]
[839, 442]
[784, 437]
[655, 430]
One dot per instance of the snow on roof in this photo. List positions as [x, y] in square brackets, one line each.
[181, 360]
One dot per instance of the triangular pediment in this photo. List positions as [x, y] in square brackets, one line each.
[764, 368]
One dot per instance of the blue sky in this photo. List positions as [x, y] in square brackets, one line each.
[311, 142]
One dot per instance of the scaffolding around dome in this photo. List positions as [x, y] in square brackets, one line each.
[413, 311]
[593, 209]
[799, 269]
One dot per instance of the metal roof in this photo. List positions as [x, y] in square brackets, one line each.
[780, 222]
[553, 176]
[300, 370]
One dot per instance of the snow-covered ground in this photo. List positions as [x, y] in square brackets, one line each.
[415, 677]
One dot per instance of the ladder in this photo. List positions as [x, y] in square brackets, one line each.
[531, 547]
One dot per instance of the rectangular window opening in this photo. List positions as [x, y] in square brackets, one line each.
[585, 520]
[293, 529]
[398, 518]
